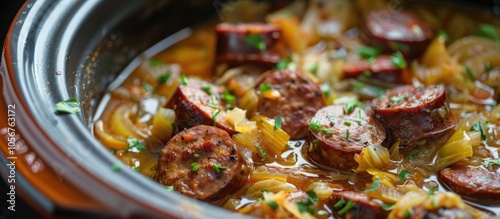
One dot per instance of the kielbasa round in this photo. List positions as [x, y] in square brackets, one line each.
[337, 133]
[248, 42]
[474, 182]
[202, 162]
[199, 103]
[412, 114]
[398, 31]
[382, 68]
[294, 96]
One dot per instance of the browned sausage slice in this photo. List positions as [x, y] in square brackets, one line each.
[248, 42]
[412, 114]
[398, 31]
[202, 162]
[362, 208]
[419, 212]
[382, 68]
[296, 99]
[337, 133]
[193, 105]
[474, 182]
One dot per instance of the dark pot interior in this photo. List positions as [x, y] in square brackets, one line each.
[63, 49]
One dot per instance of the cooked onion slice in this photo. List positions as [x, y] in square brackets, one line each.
[458, 147]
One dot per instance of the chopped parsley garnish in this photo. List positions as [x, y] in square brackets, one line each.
[218, 167]
[407, 213]
[305, 206]
[326, 90]
[367, 52]
[469, 71]
[350, 204]
[277, 122]
[411, 156]
[169, 188]
[194, 166]
[155, 62]
[387, 207]
[272, 204]
[164, 78]
[213, 101]
[148, 87]
[116, 167]
[478, 126]
[255, 40]
[69, 106]
[375, 185]
[398, 98]
[228, 98]
[214, 116]
[443, 34]
[314, 68]
[315, 126]
[347, 135]
[487, 163]
[398, 60]
[283, 63]
[183, 79]
[265, 87]
[312, 195]
[347, 123]
[349, 107]
[488, 31]
[134, 143]
[326, 131]
[431, 191]
[403, 175]
[207, 88]
[262, 152]
[339, 203]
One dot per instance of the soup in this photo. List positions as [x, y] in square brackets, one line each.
[330, 109]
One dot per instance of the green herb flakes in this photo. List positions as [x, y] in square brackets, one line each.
[169, 188]
[403, 174]
[194, 166]
[207, 88]
[487, 163]
[163, 78]
[374, 187]
[478, 126]
[315, 126]
[263, 153]
[277, 122]
[69, 106]
[183, 79]
[148, 87]
[272, 204]
[134, 145]
[255, 40]
[350, 204]
[398, 60]
[397, 99]
[214, 116]
[312, 195]
[367, 52]
[265, 87]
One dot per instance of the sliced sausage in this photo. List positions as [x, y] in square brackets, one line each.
[195, 106]
[419, 212]
[474, 182]
[382, 68]
[248, 42]
[398, 31]
[412, 114]
[337, 133]
[296, 98]
[363, 207]
[220, 170]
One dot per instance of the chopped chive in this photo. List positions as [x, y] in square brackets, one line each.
[312, 195]
[487, 163]
[272, 204]
[339, 203]
[262, 152]
[367, 52]
[315, 142]
[148, 87]
[398, 60]
[325, 88]
[403, 175]
[196, 155]
[350, 106]
[255, 40]
[169, 188]
[163, 78]
[314, 68]
[347, 135]
[136, 169]
[407, 213]
[277, 122]
[469, 71]
[183, 79]
[69, 106]
[488, 31]
[357, 139]
[315, 126]
[398, 98]
[431, 191]
[443, 34]
[116, 167]
[134, 143]
[322, 212]
[194, 166]
[265, 87]
[214, 116]
[347, 123]
[283, 63]
[411, 156]
[487, 67]
[479, 127]
[387, 207]
[375, 185]
[207, 88]
[218, 167]
[155, 62]
[367, 73]
[350, 204]
[326, 131]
